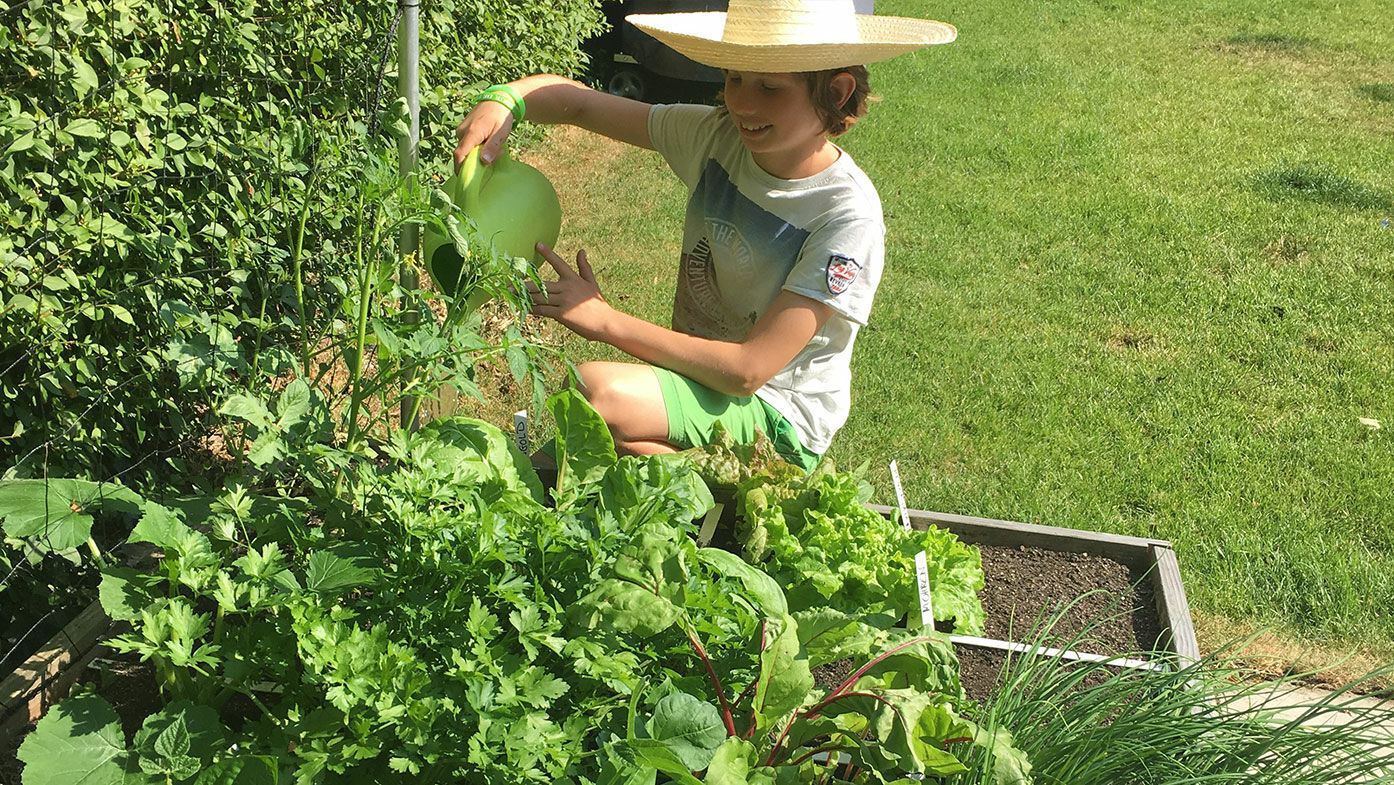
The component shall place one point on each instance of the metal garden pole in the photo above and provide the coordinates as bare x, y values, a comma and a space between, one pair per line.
409, 87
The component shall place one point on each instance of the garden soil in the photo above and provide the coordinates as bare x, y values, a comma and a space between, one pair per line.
1079, 591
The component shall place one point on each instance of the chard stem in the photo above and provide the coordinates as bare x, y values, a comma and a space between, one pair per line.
846, 685
716, 682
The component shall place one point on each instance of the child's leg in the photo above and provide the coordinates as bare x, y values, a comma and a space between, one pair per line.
628, 396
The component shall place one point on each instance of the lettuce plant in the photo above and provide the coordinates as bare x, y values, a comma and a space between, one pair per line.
815, 534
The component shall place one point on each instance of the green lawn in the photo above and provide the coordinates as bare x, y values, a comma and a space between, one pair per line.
1140, 278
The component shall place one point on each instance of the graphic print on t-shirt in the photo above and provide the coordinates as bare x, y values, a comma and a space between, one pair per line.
736, 268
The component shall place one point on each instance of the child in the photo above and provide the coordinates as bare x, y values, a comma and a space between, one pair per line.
783, 241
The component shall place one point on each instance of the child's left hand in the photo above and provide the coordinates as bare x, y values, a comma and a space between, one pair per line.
573, 299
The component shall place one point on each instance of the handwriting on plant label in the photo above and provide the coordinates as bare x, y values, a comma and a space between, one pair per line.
926, 601
520, 431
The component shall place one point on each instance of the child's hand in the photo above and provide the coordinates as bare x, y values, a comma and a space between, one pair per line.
573, 299
488, 124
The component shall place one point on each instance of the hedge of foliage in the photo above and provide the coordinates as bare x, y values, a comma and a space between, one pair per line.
155, 160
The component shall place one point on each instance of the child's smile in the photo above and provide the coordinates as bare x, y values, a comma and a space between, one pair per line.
777, 122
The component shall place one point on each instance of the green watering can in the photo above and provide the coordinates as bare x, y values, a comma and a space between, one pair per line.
514, 207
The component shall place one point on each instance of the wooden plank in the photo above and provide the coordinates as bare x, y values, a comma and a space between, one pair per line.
1064, 654
1173, 608
1131, 551
40, 680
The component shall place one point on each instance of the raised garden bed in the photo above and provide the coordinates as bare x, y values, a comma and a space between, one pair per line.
43, 680
1127, 590
1029, 570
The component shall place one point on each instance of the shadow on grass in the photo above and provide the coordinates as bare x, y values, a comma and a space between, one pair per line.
1378, 91
1315, 183
1272, 42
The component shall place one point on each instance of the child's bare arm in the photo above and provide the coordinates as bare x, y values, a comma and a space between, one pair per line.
554, 99
737, 369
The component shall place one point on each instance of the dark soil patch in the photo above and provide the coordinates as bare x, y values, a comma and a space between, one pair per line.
1097, 605
831, 675
1114, 603
980, 670
10, 767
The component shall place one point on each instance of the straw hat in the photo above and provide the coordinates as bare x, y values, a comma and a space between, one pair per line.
774, 36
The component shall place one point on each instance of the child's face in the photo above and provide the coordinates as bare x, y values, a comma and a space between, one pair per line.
775, 117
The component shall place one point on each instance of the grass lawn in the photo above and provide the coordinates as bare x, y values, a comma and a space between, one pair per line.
1140, 279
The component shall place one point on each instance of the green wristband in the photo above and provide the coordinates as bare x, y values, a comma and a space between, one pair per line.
506, 95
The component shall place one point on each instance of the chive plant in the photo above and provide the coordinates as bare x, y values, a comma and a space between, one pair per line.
1087, 723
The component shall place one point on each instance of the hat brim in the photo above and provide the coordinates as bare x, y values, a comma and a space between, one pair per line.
698, 34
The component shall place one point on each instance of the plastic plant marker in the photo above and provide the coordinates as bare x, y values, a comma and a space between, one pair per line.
520, 431
921, 561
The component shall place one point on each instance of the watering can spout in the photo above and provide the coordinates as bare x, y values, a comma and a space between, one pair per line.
513, 207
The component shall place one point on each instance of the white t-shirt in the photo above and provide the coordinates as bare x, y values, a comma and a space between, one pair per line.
748, 235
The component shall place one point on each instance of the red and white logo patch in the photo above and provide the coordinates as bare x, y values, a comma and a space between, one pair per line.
842, 271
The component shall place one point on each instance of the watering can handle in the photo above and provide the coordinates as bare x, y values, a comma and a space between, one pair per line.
471, 178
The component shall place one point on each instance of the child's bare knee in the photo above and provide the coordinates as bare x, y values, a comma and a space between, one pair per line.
603, 388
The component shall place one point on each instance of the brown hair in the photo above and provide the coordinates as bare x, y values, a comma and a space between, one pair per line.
838, 118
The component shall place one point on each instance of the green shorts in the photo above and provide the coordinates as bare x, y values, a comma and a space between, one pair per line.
693, 410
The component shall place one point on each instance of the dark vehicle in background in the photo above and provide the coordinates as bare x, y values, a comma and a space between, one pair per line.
634, 64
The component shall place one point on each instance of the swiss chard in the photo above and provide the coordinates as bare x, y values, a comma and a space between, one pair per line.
754, 713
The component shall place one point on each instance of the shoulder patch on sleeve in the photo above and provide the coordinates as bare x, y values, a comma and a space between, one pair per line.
842, 271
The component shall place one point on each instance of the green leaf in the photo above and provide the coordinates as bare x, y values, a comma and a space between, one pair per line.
648, 753
121, 595
180, 739
21, 143
908, 725
1010, 765
479, 453
240, 770
247, 407
341, 567
763, 589
84, 126
56, 513
294, 403
731, 764
79, 742
266, 448
829, 635
120, 313
160, 527
84, 78
629, 607
691, 728
785, 678
74, 14
585, 449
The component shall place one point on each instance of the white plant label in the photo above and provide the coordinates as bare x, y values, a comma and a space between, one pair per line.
921, 563
926, 602
900, 496
520, 431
